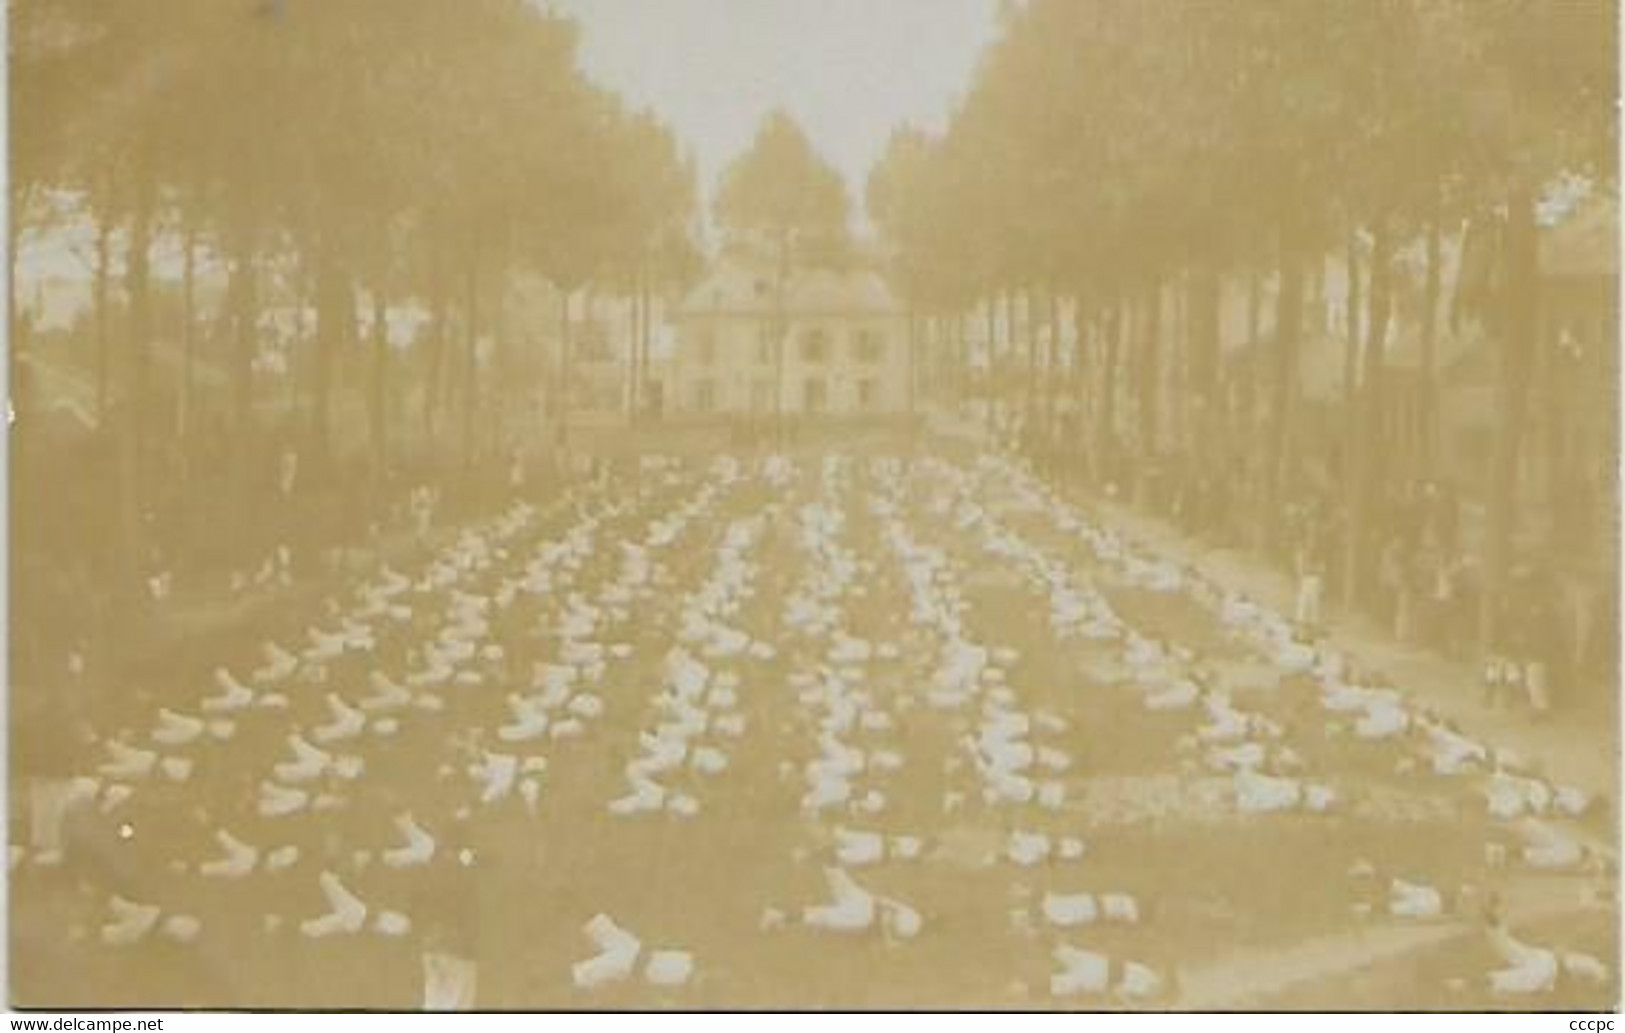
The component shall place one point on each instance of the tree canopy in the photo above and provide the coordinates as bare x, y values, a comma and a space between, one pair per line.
1125, 152
781, 187
331, 159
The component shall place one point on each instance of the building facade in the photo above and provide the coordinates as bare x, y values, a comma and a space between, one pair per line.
829, 343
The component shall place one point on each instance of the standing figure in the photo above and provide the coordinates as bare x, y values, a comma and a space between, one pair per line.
1311, 585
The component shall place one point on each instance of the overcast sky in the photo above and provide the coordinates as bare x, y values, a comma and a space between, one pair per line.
849, 70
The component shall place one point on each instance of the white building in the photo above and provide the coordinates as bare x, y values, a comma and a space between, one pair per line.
845, 340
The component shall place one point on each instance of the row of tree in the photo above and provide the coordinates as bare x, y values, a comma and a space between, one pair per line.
1112, 153
340, 158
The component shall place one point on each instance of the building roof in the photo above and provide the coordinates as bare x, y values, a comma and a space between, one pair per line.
733, 288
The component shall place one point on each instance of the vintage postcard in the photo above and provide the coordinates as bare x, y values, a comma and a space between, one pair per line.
1030, 505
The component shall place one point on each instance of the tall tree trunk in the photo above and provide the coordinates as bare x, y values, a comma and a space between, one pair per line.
184, 411
940, 358
781, 328
926, 362
14, 240
1255, 350
1030, 317
641, 311
1517, 332
558, 415
629, 354
1149, 367
334, 320
1174, 387
1427, 398
23, 397
1351, 356
1007, 352
1106, 413
913, 357
1255, 431
1052, 362
1284, 381
1549, 388
645, 339
1143, 365
634, 340
133, 441
569, 373
1202, 329
1347, 473
471, 303
244, 308
496, 399
243, 303
440, 334
104, 337
1085, 331
380, 383
1364, 514
961, 356
990, 316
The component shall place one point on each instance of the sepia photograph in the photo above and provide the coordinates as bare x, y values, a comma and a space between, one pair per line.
775, 505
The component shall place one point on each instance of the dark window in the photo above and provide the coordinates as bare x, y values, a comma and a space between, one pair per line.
592, 343
705, 351
813, 347
868, 347
1473, 445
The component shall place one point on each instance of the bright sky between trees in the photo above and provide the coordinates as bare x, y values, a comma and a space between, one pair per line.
849, 71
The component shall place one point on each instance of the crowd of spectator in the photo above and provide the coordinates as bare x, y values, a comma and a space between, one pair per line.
1548, 634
